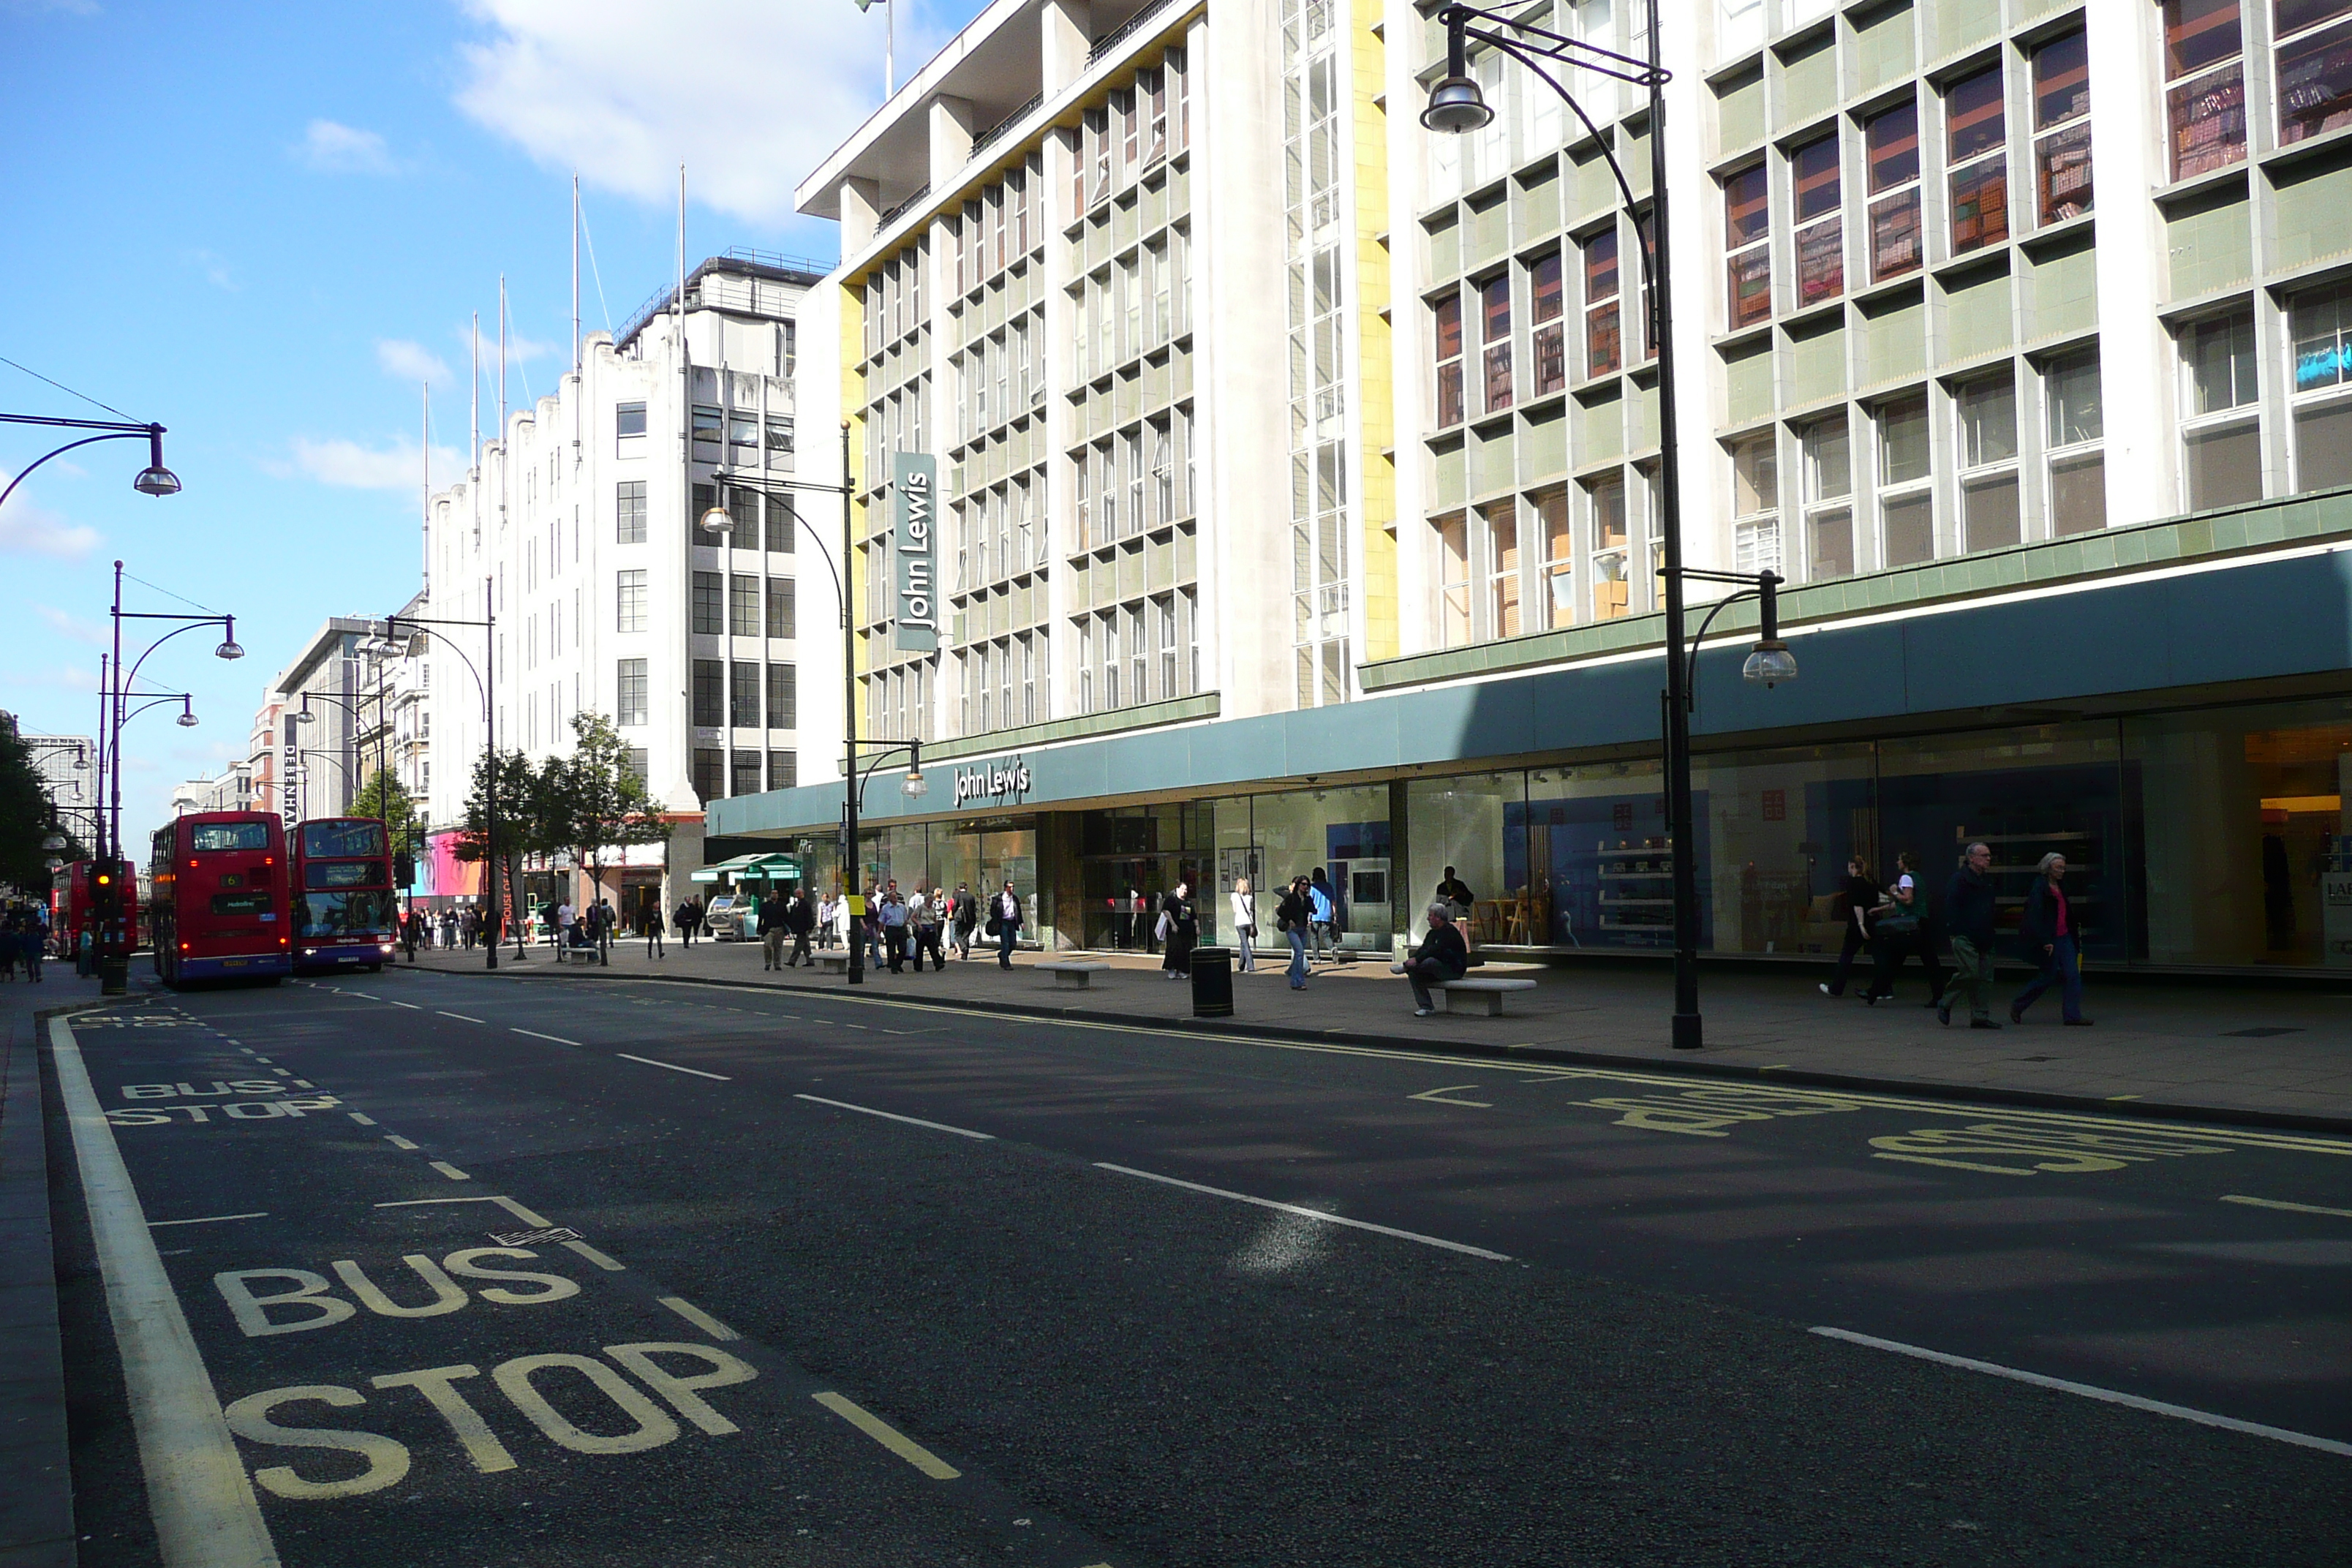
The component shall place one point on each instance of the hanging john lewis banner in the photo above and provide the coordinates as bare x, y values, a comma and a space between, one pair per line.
914, 553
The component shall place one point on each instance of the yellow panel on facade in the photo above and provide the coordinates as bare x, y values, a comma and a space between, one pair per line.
2315, 216
1977, 315
1748, 382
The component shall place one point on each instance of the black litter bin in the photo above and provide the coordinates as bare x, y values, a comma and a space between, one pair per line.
1212, 982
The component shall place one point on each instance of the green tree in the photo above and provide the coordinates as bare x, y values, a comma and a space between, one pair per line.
526, 811
600, 804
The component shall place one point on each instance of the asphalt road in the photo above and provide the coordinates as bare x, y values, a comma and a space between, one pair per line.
950, 1288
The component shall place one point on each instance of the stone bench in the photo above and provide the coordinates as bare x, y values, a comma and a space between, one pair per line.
1073, 975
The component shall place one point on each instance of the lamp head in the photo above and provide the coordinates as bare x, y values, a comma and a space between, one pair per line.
1770, 664
1457, 106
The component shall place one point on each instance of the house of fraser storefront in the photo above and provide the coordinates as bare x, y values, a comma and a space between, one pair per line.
2169, 707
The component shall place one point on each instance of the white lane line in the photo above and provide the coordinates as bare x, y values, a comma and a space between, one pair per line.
2106, 1395
535, 1035
397, 1141
201, 1503
459, 1016
449, 1170
889, 1436
2282, 1204
594, 1257
673, 1066
698, 1317
362, 1120
894, 1116
208, 1219
1310, 1214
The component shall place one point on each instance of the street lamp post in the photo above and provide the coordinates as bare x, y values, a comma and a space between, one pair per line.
716, 520
1457, 105
483, 679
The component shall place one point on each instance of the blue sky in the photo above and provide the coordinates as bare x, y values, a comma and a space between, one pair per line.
262, 225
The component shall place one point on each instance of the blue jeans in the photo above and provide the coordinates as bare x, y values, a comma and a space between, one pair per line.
1297, 957
2063, 969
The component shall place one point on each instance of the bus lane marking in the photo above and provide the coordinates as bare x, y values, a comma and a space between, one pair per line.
204, 1507
889, 1436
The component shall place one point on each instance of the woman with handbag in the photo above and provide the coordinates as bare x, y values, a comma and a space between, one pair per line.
1899, 931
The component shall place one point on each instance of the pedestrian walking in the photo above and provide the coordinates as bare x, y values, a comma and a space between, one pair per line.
1180, 929
1443, 955
1292, 915
965, 917
1899, 931
1004, 924
2053, 941
1857, 896
1323, 915
1245, 904
771, 933
1968, 915
653, 923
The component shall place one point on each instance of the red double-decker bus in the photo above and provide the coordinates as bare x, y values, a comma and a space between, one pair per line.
345, 914
217, 899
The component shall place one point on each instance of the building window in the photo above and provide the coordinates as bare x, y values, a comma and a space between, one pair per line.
1829, 497
747, 773
2206, 108
2078, 465
1906, 511
1892, 142
1820, 226
1747, 239
2320, 322
2221, 436
629, 429
2062, 128
783, 697
1603, 342
709, 693
782, 620
708, 616
1453, 532
629, 612
1756, 503
1495, 342
710, 762
1447, 318
630, 702
743, 709
629, 512
1611, 549
1986, 414
1502, 520
784, 770
1545, 302
1558, 601
2315, 69
1976, 152
743, 606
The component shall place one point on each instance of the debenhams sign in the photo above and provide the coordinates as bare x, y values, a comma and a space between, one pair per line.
914, 488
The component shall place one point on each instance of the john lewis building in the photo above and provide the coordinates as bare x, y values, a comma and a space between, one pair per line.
1299, 465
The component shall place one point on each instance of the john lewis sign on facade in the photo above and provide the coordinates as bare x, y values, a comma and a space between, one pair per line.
914, 549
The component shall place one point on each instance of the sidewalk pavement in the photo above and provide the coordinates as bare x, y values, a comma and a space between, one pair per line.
36, 1516
2268, 1057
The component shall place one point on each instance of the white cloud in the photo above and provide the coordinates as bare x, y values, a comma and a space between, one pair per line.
625, 94
410, 361
29, 529
72, 627
353, 467
334, 149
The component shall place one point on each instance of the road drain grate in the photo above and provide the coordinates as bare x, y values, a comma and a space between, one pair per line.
534, 1238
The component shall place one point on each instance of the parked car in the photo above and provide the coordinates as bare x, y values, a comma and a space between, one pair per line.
727, 916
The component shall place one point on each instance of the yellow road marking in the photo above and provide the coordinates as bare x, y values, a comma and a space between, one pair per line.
889, 1436
2278, 1204
698, 1317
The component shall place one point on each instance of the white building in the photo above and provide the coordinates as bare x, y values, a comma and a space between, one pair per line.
574, 531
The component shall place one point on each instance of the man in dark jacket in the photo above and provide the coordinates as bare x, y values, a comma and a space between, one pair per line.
1968, 916
1442, 955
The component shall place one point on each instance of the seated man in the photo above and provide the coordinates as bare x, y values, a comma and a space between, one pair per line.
1442, 955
